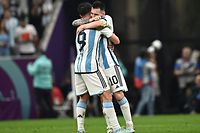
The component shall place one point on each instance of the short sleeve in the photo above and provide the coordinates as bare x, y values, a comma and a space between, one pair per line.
109, 22
106, 32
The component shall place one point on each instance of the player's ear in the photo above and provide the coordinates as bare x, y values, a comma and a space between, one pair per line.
103, 12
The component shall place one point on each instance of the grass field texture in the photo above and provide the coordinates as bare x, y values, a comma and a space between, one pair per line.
144, 124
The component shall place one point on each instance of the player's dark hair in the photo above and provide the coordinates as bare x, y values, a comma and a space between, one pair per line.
84, 8
99, 4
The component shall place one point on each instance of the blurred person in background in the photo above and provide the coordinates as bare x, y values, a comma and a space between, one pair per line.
5, 5
196, 96
41, 70
1, 9
47, 9
198, 66
4, 40
185, 69
35, 17
138, 68
26, 37
11, 24
193, 97
149, 83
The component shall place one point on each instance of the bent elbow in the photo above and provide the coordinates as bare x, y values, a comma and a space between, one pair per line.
117, 41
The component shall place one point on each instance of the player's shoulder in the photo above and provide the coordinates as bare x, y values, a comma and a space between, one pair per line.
108, 17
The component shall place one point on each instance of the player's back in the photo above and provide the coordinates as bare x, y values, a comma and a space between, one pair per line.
87, 51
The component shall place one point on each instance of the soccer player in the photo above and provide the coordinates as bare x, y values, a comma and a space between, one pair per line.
110, 65
89, 77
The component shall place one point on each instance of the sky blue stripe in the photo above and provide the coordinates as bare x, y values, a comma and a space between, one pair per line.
91, 40
107, 105
123, 101
80, 62
81, 104
103, 48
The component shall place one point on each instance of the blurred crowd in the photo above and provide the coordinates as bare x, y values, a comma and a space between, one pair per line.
186, 72
22, 24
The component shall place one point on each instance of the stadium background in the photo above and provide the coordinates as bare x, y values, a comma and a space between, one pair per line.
137, 23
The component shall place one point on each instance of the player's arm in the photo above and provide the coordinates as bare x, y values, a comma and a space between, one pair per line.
109, 34
177, 69
96, 24
114, 39
32, 68
79, 22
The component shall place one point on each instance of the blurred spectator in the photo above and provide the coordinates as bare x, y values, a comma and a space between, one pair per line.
41, 70
193, 97
196, 96
185, 70
5, 4
47, 9
22, 6
4, 41
66, 84
57, 96
196, 58
149, 84
26, 37
14, 6
1, 9
138, 68
93, 106
155, 75
11, 24
35, 17
198, 66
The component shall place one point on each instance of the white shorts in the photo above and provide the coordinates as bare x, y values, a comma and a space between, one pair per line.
116, 79
93, 83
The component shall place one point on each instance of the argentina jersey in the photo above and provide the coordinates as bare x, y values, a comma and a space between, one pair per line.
87, 45
107, 57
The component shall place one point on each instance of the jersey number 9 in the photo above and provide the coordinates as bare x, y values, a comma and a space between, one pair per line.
81, 39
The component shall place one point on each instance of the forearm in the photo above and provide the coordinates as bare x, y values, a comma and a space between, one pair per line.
79, 22
95, 24
114, 39
178, 72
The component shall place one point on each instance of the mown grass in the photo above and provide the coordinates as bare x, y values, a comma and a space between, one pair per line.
143, 124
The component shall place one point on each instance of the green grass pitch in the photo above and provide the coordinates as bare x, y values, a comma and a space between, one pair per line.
144, 124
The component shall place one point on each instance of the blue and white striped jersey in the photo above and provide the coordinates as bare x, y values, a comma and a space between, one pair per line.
107, 58
87, 45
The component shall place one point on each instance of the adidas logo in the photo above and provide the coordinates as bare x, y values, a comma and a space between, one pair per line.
80, 116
